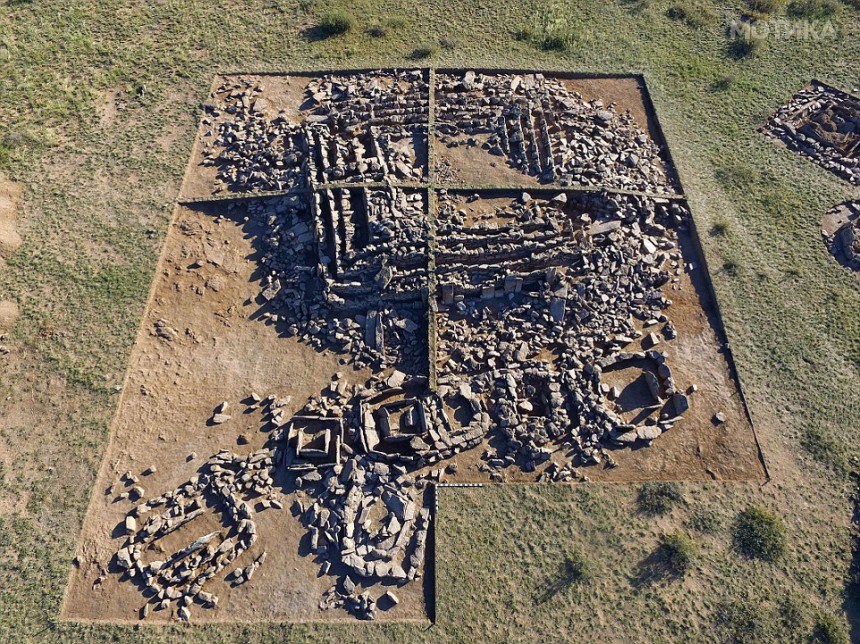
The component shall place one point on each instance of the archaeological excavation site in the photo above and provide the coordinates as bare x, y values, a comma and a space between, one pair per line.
378, 282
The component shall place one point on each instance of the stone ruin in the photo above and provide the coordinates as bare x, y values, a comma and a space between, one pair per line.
547, 131
823, 123
844, 242
494, 331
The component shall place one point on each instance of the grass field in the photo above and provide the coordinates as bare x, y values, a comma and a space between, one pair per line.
98, 107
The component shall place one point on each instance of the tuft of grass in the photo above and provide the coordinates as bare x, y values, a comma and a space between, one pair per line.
760, 534
723, 84
659, 498
829, 629
553, 38
742, 621
704, 521
812, 9
336, 23
377, 31
720, 229
423, 51
765, 6
694, 14
573, 571
823, 448
679, 551
448, 44
745, 40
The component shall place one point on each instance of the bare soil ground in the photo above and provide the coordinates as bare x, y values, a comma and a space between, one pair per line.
211, 349
10, 240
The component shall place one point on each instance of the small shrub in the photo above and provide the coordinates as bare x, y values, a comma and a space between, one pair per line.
523, 35
719, 229
746, 41
759, 534
828, 629
824, 449
422, 52
545, 38
694, 14
336, 23
812, 9
553, 42
722, 84
704, 521
658, 498
448, 44
679, 551
791, 614
765, 6
575, 567
572, 571
377, 31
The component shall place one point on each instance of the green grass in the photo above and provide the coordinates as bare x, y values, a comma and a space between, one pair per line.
695, 14
93, 191
765, 6
812, 9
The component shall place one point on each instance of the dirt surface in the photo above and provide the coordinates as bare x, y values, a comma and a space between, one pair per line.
10, 193
8, 315
212, 349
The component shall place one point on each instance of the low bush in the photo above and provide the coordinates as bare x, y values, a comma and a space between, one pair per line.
658, 498
828, 629
760, 534
679, 551
765, 6
704, 521
422, 52
694, 14
746, 41
812, 9
336, 23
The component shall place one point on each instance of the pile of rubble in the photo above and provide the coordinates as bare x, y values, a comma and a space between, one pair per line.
579, 281
547, 131
346, 270
226, 480
844, 243
823, 123
357, 128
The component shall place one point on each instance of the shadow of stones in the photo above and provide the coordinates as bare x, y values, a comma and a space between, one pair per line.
250, 214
